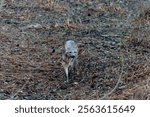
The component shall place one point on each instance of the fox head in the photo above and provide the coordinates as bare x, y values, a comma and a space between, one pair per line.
71, 49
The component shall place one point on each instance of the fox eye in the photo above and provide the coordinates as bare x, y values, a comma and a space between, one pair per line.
70, 52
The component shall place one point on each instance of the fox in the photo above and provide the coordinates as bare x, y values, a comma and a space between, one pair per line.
69, 57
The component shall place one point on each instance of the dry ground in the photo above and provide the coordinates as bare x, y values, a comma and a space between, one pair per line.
113, 39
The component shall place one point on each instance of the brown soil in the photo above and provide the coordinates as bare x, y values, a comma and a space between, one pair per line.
113, 39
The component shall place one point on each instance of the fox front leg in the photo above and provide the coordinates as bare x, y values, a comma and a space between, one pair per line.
67, 74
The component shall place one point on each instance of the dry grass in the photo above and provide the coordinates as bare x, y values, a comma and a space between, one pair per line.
113, 39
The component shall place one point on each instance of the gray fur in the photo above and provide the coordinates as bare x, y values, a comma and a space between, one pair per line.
69, 57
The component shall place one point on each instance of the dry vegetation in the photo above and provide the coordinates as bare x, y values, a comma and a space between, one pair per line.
114, 44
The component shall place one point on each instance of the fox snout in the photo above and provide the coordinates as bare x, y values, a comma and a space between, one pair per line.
72, 53
72, 56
